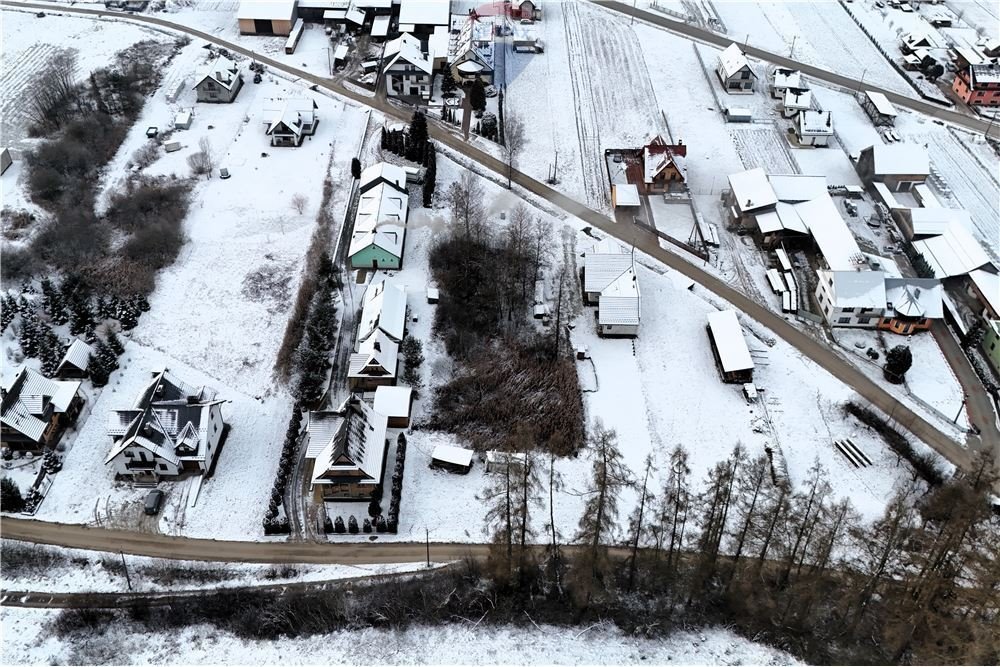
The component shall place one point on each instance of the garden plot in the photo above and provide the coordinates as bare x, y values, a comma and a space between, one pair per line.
28, 44
964, 182
817, 33
931, 388
981, 14
764, 147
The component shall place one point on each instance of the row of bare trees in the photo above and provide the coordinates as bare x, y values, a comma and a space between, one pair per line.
748, 547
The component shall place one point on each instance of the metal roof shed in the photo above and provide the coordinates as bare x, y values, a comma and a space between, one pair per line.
731, 351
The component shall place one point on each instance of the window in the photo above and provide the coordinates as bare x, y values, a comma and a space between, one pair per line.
847, 310
864, 320
844, 320
162, 467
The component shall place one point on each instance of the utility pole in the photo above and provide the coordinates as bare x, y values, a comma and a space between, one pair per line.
427, 537
965, 398
861, 81
791, 52
125, 565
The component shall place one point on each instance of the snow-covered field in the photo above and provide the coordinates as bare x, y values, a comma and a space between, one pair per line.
34, 643
818, 33
28, 43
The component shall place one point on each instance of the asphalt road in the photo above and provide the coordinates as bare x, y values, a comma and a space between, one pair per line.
959, 116
645, 241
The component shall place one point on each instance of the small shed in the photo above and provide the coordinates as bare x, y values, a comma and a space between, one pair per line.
340, 55
878, 108
76, 360
739, 115
624, 195
496, 461
172, 146
433, 295
5, 160
729, 347
452, 459
182, 121
395, 403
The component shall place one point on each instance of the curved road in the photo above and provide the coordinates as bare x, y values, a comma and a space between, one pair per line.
633, 235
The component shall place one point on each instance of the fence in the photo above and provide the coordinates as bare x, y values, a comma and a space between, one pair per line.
701, 254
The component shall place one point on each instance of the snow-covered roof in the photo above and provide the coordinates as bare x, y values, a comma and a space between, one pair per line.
971, 55
424, 12
377, 356
355, 442
384, 310
382, 203
793, 188
983, 74
953, 253
881, 103
831, 233
620, 302
815, 123
604, 265
728, 336
459, 456
784, 216
267, 10
654, 162
796, 98
393, 401
390, 173
292, 113
915, 297
380, 26
77, 355
387, 236
902, 158
220, 69
732, 60
26, 398
473, 44
988, 284
626, 194
787, 78
168, 418
437, 42
935, 221
405, 48
856, 289
751, 190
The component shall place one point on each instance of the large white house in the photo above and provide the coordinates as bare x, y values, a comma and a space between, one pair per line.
407, 70
380, 219
734, 71
170, 429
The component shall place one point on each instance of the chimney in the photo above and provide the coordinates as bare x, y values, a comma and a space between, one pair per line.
829, 119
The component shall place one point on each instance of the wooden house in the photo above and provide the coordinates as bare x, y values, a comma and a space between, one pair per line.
348, 450
75, 362
289, 122
219, 80
35, 411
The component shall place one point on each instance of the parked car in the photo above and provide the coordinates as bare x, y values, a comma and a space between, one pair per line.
153, 501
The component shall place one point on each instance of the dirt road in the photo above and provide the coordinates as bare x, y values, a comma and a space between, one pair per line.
645, 241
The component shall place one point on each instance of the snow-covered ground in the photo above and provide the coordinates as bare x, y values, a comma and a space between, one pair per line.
29, 42
817, 33
34, 643
81, 571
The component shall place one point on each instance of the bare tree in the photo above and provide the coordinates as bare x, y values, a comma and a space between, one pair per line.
467, 209
56, 94
609, 477
299, 203
636, 525
201, 163
513, 144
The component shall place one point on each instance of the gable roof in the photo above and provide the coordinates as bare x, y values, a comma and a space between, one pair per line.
221, 69
751, 190
953, 253
383, 172
732, 60
405, 48
28, 396
384, 310
881, 103
815, 123
835, 240
376, 356
387, 237
381, 203
77, 355
290, 113
734, 355
605, 264
468, 47
620, 301
351, 440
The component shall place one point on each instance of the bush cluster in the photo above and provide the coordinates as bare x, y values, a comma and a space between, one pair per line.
273, 523
924, 464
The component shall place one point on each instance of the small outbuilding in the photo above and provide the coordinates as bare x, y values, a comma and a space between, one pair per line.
182, 121
5, 160
729, 347
266, 17
497, 461
76, 360
879, 109
624, 195
814, 128
452, 459
396, 403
